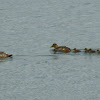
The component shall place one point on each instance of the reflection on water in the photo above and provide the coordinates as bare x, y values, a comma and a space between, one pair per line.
2, 59
6, 59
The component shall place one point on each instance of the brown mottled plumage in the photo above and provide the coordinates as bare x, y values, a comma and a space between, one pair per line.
60, 48
4, 55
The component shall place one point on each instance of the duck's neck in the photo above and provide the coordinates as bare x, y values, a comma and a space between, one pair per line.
56, 46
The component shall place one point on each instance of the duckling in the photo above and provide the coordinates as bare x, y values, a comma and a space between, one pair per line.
86, 50
60, 48
92, 51
98, 51
76, 50
4, 55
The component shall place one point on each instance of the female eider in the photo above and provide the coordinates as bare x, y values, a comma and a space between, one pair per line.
60, 48
4, 55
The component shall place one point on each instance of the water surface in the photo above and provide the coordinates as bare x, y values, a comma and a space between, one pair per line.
27, 30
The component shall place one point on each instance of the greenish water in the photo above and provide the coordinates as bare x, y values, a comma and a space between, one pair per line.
27, 30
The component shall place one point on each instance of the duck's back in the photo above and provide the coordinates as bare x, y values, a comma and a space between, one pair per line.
3, 55
62, 48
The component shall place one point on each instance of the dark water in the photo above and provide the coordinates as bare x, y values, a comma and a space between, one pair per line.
27, 30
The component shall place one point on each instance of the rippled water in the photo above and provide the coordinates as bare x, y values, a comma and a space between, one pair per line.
27, 30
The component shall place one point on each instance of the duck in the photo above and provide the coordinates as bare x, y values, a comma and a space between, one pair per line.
60, 48
76, 50
92, 51
4, 55
98, 51
86, 50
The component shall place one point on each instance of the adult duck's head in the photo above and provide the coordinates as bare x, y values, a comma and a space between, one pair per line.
54, 45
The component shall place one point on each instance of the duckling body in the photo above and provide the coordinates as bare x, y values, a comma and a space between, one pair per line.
60, 48
98, 51
76, 50
86, 50
92, 51
4, 55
